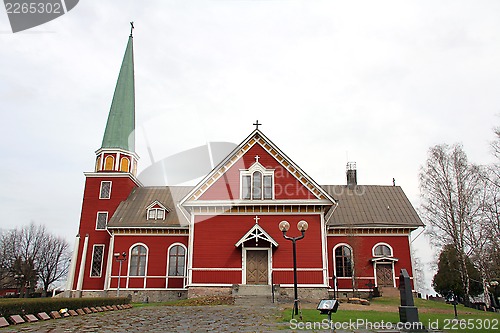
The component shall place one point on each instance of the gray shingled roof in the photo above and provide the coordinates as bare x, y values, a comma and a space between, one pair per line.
361, 206
132, 212
372, 206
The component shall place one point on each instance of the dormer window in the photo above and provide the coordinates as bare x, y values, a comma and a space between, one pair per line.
257, 183
156, 211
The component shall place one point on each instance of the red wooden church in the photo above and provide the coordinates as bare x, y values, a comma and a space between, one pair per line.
171, 241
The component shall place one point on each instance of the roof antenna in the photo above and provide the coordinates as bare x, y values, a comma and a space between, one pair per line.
131, 28
393, 181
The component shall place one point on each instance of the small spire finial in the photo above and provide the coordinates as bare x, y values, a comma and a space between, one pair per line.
256, 124
131, 28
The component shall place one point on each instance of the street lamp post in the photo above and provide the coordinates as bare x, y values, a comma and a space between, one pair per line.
284, 226
120, 257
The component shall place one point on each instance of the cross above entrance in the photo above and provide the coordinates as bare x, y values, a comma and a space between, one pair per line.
257, 158
256, 218
256, 124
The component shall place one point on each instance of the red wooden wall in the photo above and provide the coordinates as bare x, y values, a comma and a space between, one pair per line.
157, 256
120, 189
215, 239
286, 186
362, 251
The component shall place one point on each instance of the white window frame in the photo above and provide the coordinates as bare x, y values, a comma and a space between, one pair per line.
249, 172
335, 261
100, 189
102, 260
155, 210
185, 261
97, 221
130, 262
382, 243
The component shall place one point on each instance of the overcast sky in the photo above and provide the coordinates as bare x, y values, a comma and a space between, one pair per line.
375, 82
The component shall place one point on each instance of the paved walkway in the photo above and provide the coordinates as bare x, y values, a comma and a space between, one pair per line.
185, 319
152, 319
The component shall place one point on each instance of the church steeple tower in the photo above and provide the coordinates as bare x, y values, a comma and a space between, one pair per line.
117, 152
107, 186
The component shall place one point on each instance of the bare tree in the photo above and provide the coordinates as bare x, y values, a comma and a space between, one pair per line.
496, 143
30, 254
418, 272
53, 264
450, 190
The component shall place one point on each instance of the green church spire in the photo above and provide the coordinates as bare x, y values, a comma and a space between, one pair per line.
120, 127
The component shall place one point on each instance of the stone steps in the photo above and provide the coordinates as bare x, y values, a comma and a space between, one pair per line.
248, 300
390, 292
253, 295
252, 290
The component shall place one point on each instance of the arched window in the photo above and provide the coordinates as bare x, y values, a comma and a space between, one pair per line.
257, 185
176, 260
343, 261
98, 163
109, 163
138, 261
382, 250
124, 164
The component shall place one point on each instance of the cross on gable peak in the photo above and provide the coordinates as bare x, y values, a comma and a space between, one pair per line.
256, 124
257, 158
256, 218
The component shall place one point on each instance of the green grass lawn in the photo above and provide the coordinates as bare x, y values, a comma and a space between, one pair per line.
432, 314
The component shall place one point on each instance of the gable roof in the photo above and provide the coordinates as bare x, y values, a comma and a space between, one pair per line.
257, 137
159, 204
132, 213
365, 206
256, 232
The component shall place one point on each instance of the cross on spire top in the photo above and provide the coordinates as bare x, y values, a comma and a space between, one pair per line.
131, 28
256, 124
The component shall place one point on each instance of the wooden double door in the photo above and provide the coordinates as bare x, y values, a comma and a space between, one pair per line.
385, 275
257, 267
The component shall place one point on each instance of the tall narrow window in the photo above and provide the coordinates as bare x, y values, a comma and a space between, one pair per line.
109, 163
176, 261
257, 186
102, 220
268, 187
98, 254
343, 261
98, 163
246, 186
105, 192
138, 261
124, 164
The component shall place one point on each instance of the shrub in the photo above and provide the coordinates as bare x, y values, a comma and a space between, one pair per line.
23, 306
